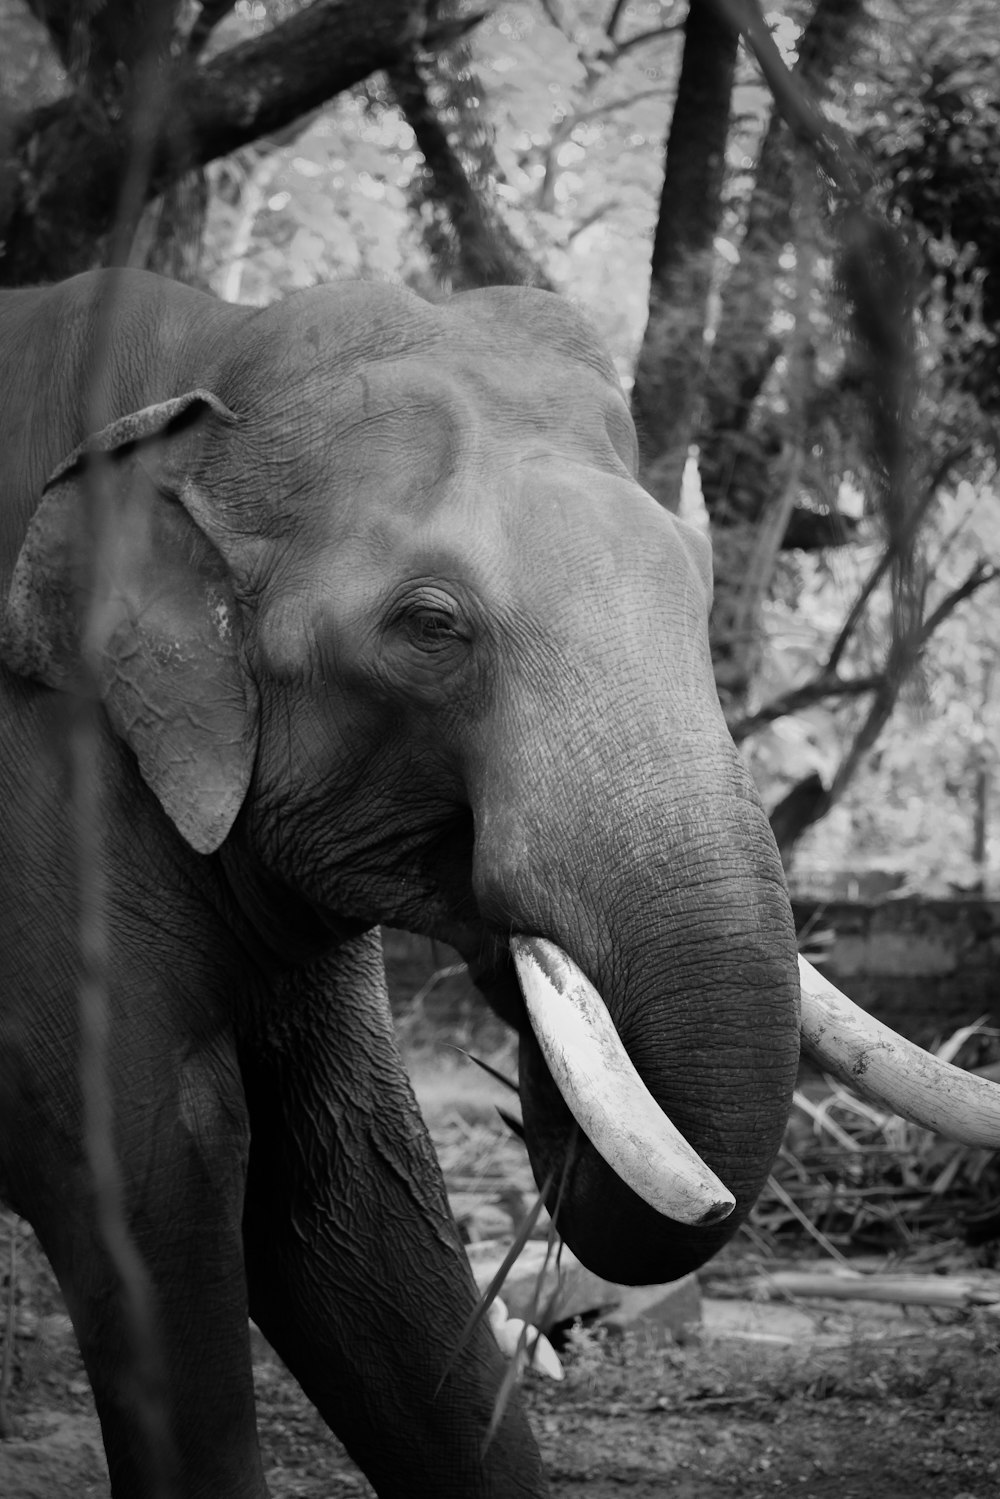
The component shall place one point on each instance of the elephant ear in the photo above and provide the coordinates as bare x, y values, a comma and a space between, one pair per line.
116, 589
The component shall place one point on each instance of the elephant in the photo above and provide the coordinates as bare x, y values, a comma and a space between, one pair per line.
371, 622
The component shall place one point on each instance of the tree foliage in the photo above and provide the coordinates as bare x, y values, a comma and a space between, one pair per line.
932, 122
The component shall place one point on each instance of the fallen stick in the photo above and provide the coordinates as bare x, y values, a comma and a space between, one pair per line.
906, 1290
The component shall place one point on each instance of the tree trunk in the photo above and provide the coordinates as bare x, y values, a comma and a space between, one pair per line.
744, 349
670, 368
743, 463
170, 234
746, 550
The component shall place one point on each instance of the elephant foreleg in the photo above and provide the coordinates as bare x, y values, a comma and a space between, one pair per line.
355, 1270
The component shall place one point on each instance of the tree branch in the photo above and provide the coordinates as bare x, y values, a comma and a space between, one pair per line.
79, 155
594, 217
625, 102
557, 18
263, 84
885, 699
827, 684
816, 690
488, 254
611, 25
211, 13
807, 802
884, 562
839, 158
648, 36
984, 572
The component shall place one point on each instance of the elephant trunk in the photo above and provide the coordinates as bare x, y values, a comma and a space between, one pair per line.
697, 967
605, 1094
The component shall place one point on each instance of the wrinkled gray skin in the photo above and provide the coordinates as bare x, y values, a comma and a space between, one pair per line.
392, 634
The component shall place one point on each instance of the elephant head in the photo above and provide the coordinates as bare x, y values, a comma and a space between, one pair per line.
396, 636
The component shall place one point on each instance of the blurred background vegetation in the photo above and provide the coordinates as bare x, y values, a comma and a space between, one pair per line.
787, 229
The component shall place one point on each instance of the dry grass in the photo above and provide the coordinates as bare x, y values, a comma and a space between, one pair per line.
857, 1179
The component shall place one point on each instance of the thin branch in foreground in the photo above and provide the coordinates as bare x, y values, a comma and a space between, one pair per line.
553, 1246
488, 1297
148, 1364
7, 1428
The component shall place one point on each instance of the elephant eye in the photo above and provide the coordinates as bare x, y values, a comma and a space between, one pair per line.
431, 627
432, 621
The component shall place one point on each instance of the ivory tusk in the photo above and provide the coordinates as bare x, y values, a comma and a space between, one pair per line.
894, 1073
604, 1092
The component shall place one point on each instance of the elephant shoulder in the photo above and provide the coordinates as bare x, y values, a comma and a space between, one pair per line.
161, 330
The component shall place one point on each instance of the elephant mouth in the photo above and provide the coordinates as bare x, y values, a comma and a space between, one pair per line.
627, 1127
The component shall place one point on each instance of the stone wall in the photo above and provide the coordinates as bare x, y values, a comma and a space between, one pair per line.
925, 967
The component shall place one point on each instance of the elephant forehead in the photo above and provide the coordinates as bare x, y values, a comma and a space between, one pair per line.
450, 415
357, 323
341, 372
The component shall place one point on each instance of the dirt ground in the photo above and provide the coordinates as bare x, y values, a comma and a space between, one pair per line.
915, 1417
862, 1404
